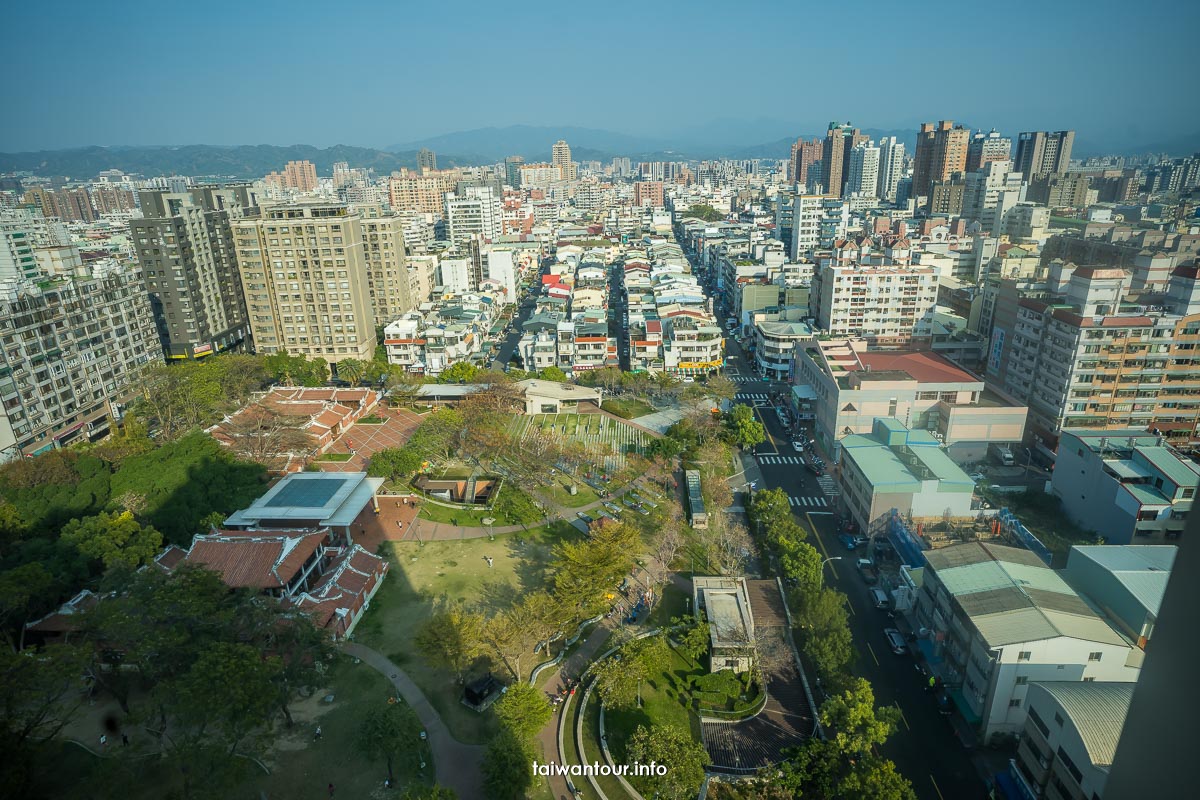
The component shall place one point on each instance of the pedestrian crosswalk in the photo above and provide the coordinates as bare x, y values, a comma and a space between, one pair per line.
828, 485
759, 398
778, 459
808, 502
744, 379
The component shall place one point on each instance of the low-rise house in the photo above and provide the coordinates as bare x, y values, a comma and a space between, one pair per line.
894, 467
725, 602
995, 619
1125, 485
310, 501
1126, 582
1070, 738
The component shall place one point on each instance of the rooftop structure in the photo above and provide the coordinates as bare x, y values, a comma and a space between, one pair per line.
310, 500
726, 603
1126, 581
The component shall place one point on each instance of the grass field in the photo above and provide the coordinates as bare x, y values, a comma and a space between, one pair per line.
606, 441
628, 407
340, 457
516, 509
423, 577
662, 704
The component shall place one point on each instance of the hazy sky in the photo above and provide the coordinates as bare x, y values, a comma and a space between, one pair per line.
374, 74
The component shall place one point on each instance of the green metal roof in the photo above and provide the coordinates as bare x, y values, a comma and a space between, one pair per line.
1181, 473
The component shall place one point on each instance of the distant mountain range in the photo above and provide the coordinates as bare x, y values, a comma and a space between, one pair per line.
466, 148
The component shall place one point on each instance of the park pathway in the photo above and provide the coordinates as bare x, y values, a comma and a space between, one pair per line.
573, 666
458, 766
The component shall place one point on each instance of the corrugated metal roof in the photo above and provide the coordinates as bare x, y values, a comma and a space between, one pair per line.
1097, 711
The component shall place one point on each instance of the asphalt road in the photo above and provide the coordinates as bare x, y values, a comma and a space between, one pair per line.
925, 748
525, 308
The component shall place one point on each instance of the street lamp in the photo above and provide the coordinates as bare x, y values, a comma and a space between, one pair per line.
826, 561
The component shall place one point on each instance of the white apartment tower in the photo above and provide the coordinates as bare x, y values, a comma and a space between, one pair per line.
863, 175
891, 166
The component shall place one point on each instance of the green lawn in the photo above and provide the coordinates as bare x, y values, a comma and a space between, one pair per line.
663, 703
611, 787
514, 509
557, 493
422, 577
627, 407
340, 457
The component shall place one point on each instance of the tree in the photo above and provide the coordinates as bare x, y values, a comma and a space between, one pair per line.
619, 678
667, 545
552, 373
297, 370
744, 430
388, 730
395, 463
695, 637
228, 692
720, 388
113, 539
524, 710
458, 372
801, 562
703, 211
674, 748
25, 592
507, 767
825, 631
875, 778
450, 639
857, 724
729, 545
510, 639
585, 571
351, 370
262, 434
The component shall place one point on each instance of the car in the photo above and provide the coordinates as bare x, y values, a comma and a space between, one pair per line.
860, 541
895, 641
798, 447
978, 477
847, 541
815, 469
866, 568
689, 379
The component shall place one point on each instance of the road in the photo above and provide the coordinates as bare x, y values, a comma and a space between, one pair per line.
925, 748
526, 303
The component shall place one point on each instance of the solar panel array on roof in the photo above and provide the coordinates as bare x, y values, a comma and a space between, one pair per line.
312, 493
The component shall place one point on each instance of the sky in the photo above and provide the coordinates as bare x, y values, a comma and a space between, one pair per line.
127, 72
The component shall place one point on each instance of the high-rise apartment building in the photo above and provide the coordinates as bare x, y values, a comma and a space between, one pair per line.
891, 167
424, 194
512, 171
862, 174
304, 272
987, 147
184, 245
1060, 190
1083, 358
941, 152
840, 139
69, 205
648, 193
1039, 152
946, 197
388, 282
560, 156
479, 213
300, 175
426, 160
17, 259
990, 193
73, 348
804, 155
883, 304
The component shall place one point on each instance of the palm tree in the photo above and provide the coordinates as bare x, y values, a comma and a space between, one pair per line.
351, 370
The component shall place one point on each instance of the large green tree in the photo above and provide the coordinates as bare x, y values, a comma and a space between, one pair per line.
674, 748
524, 710
744, 429
113, 539
450, 639
824, 629
507, 767
388, 731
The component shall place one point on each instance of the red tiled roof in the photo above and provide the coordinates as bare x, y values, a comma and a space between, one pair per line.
256, 559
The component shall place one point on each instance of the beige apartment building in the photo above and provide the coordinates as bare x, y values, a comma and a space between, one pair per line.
388, 282
305, 277
880, 303
425, 193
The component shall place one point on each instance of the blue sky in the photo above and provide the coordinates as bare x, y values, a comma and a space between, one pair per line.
250, 72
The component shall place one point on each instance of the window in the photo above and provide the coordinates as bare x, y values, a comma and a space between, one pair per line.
1070, 765
1024, 655
1058, 720
1037, 720
1014, 703
1095, 656
1189, 492
1022, 680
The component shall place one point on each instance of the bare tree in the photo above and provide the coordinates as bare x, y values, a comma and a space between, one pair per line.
666, 547
260, 433
729, 545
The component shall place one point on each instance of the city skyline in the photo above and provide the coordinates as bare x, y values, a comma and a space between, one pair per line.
220, 72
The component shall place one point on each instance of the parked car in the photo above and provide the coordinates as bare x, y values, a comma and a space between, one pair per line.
866, 568
798, 447
879, 598
895, 641
815, 469
978, 477
848, 541
860, 541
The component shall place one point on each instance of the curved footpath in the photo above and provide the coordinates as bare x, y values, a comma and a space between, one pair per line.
457, 765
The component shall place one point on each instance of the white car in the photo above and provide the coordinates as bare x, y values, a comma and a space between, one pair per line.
799, 448
978, 477
689, 380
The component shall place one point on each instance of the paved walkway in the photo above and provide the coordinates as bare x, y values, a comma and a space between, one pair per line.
458, 766
573, 666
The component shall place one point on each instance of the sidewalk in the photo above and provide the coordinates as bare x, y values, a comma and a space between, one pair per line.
457, 765
572, 666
